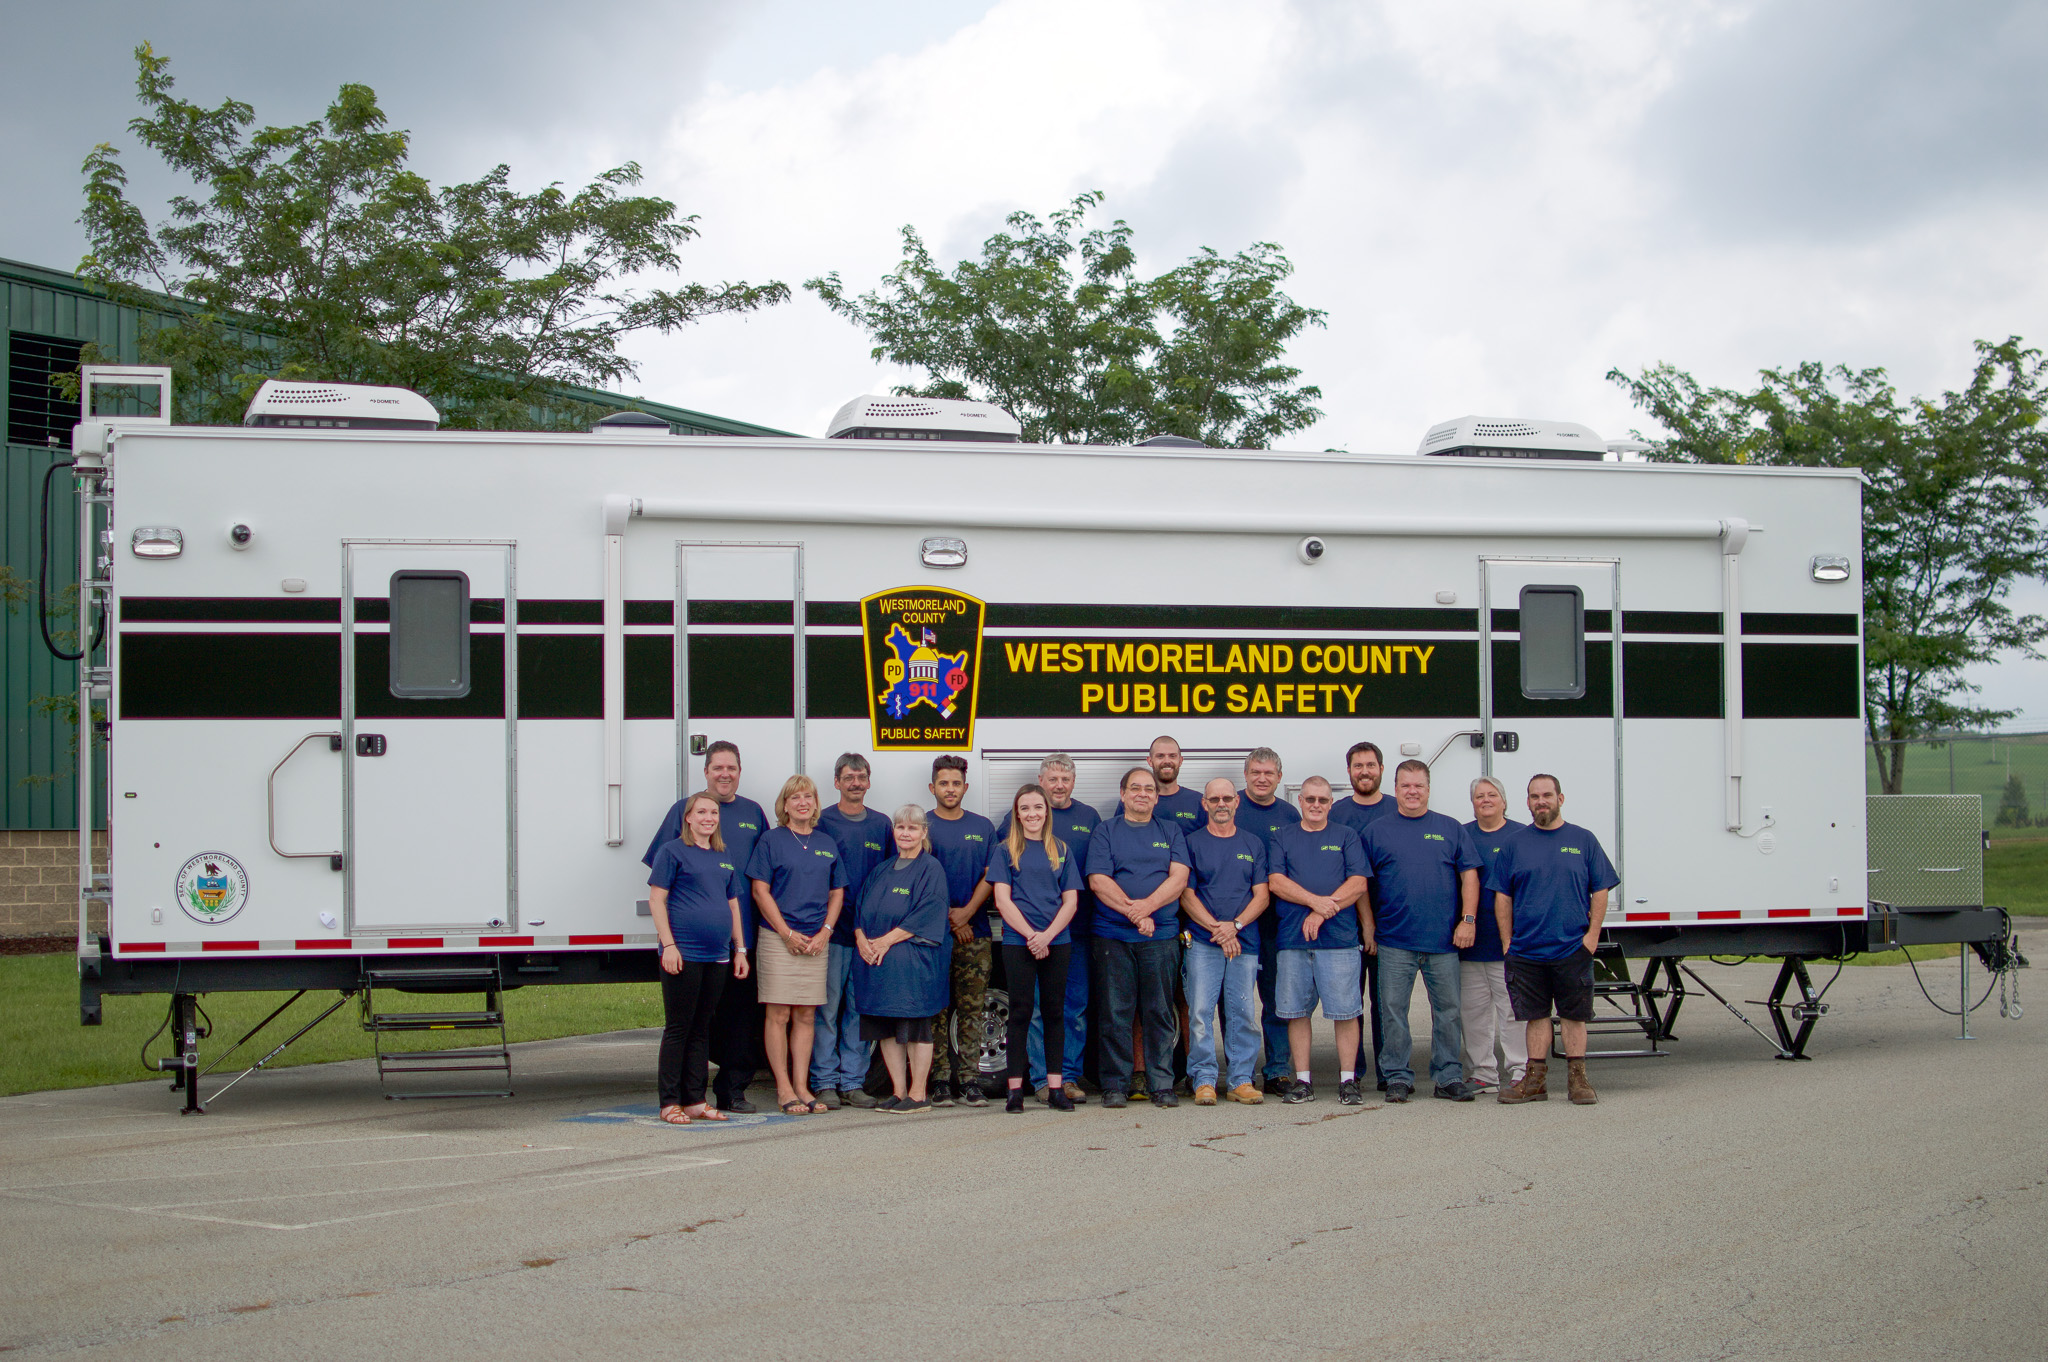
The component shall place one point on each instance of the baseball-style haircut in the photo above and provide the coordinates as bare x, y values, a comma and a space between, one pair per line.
949, 762
720, 746
1358, 747
1163, 737
912, 816
1487, 780
1412, 764
793, 786
1263, 754
1317, 780
849, 761
1055, 761
1135, 771
1545, 775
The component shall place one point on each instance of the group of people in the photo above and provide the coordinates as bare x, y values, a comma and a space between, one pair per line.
1232, 910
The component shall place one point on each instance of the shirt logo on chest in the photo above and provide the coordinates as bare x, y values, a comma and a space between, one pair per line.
1432, 837
1570, 851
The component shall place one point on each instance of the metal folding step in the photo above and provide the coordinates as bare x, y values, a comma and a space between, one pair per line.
470, 1059
1623, 1006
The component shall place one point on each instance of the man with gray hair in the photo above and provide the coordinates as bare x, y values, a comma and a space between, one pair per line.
1483, 1003
1261, 809
1073, 823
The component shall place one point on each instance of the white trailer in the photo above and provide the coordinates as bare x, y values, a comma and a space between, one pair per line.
381, 698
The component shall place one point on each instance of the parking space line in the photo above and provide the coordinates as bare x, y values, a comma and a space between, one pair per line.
322, 1168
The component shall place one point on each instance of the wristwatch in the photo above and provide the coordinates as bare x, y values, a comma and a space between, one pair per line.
1239, 926
1468, 918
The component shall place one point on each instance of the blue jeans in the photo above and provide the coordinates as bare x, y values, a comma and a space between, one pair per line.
1208, 977
1076, 1020
1273, 1027
1136, 982
839, 1057
1439, 971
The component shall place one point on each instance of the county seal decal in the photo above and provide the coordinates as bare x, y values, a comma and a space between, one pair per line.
212, 887
923, 649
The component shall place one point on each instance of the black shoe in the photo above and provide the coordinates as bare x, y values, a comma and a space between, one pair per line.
1349, 1093
1279, 1087
1460, 1091
1383, 1085
942, 1094
911, 1106
1300, 1092
738, 1106
891, 1105
1399, 1092
1184, 1086
1165, 1099
971, 1093
1014, 1103
1112, 1099
1058, 1100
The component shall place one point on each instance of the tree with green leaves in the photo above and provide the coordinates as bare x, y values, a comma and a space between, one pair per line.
314, 252
2012, 805
1054, 324
1953, 494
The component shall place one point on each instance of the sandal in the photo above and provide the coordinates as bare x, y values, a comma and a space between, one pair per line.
675, 1115
795, 1108
818, 1108
708, 1113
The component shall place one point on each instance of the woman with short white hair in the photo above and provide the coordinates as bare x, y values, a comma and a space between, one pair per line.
903, 973
1483, 1003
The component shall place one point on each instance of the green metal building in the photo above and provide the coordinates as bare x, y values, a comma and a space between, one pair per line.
48, 317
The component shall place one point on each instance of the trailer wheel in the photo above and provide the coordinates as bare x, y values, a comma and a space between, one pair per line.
995, 1036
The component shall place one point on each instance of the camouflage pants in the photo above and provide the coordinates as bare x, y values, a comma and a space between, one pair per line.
956, 1062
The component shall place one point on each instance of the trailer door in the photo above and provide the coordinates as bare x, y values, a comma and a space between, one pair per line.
1550, 677
430, 672
740, 668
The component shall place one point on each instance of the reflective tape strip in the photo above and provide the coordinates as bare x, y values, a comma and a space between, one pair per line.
498, 941
137, 947
599, 939
231, 945
323, 945
1790, 912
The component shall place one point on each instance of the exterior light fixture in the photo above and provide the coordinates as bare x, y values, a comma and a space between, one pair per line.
943, 553
1830, 567
157, 541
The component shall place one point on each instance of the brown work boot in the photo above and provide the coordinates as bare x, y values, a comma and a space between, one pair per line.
1532, 1086
1247, 1094
1205, 1096
1581, 1086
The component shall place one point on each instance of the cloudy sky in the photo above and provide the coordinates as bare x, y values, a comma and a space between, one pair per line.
1496, 203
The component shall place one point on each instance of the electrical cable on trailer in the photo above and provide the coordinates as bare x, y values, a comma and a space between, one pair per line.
2003, 958
99, 632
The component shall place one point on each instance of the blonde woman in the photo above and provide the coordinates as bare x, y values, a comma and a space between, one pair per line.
1037, 886
904, 969
799, 886
694, 894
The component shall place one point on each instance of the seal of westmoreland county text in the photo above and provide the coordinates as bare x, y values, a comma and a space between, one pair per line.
212, 887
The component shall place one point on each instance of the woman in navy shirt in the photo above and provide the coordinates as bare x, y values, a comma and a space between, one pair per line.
694, 896
799, 882
904, 972
1037, 885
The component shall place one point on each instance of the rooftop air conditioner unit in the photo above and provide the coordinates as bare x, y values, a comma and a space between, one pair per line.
922, 418
1492, 437
339, 406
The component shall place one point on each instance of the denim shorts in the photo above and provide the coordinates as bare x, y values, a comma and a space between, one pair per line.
1330, 977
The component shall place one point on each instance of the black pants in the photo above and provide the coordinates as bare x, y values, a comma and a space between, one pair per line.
688, 1002
736, 1027
1135, 981
1042, 983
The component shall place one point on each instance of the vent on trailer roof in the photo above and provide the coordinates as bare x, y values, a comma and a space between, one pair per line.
1487, 437
339, 406
920, 418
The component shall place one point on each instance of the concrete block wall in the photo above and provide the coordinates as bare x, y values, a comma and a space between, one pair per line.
39, 882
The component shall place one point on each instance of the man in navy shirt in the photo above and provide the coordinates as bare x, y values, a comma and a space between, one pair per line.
737, 1024
839, 1058
1261, 809
1225, 896
1074, 824
960, 842
1318, 875
1178, 805
1550, 888
1363, 766
1483, 1006
1426, 907
1137, 866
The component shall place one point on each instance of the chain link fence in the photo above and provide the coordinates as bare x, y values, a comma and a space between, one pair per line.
2008, 770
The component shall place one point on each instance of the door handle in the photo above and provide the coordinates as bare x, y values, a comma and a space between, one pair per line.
333, 857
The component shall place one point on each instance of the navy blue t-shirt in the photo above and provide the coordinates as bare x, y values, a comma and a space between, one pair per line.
801, 872
1416, 864
1035, 887
1223, 871
1358, 817
740, 824
1486, 944
962, 846
1182, 810
1264, 819
863, 845
1319, 862
1552, 876
700, 884
1073, 826
1138, 856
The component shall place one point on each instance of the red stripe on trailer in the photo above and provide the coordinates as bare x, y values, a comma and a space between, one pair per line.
504, 941
131, 947
1790, 912
1713, 913
1848, 912
323, 945
409, 943
615, 939
1648, 917
230, 945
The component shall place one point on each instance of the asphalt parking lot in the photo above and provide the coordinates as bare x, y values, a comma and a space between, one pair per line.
1885, 1200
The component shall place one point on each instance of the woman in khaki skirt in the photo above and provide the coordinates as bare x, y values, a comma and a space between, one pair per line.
798, 884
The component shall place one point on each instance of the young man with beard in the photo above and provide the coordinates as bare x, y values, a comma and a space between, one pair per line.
1364, 766
960, 843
